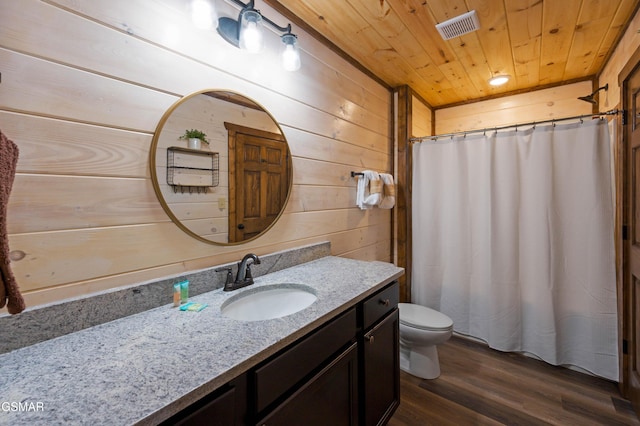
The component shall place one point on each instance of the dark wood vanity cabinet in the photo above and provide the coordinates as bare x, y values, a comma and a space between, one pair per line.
380, 357
380, 372
225, 406
346, 372
313, 380
328, 398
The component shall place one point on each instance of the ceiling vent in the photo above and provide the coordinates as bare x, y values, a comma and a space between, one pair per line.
460, 25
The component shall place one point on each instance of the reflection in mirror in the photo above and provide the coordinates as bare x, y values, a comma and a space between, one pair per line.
248, 150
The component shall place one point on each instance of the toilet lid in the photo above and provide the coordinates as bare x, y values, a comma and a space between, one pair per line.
424, 318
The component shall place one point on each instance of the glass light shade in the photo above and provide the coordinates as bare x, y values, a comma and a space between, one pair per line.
498, 80
203, 14
290, 53
251, 31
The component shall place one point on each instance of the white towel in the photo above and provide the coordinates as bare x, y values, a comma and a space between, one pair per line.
369, 190
388, 192
375, 189
362, 191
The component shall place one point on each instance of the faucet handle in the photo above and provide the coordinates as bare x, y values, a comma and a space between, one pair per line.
229, 274
247, 275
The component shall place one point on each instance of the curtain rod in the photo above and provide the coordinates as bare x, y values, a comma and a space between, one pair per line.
532, 123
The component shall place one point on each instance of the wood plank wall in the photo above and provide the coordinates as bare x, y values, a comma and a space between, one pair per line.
545, 104
422, 123
625, 48
84, 84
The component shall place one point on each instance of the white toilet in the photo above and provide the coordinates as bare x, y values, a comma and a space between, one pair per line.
421, 329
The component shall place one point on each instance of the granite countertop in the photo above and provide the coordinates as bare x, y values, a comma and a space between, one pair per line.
143, 368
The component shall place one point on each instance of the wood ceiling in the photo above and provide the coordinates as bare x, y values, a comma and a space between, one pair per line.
539, 43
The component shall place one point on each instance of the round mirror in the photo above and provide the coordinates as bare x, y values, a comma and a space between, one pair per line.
221, 167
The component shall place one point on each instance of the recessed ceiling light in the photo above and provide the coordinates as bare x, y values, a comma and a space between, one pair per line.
498, 80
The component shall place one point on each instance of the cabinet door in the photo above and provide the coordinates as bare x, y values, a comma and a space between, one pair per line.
216, 410
381, 371
329, 398
278, 376
226, 406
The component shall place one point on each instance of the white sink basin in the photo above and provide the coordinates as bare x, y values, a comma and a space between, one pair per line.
268, 302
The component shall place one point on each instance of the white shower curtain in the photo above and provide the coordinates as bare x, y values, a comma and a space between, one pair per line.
513, 239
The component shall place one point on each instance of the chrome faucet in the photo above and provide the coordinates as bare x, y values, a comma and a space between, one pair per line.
243, 277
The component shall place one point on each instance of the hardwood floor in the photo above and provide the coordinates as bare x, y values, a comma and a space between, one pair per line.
480, 386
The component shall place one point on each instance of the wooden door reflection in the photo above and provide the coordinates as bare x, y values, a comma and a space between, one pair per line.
258, 180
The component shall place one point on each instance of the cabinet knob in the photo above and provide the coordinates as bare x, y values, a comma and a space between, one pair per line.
384, 302
369, 338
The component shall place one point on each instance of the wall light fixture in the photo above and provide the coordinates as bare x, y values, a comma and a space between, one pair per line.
247, 33
289, 51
